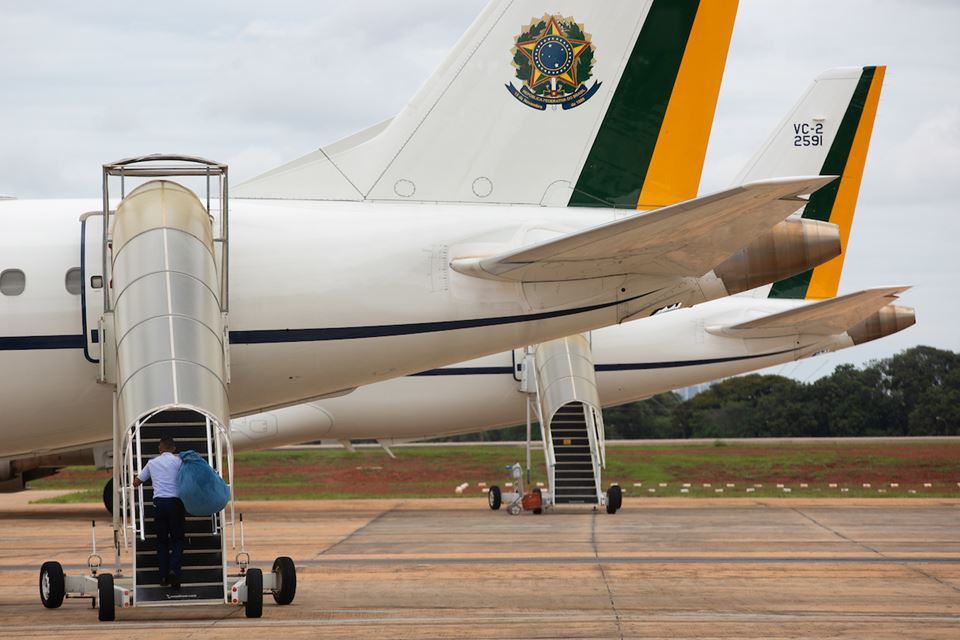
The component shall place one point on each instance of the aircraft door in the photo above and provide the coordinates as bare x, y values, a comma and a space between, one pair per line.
91, 274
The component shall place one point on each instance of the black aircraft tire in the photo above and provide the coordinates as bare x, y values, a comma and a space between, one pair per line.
494, 498
614, 499
108, 495
253, 608
56, 590
287, 577
106, 611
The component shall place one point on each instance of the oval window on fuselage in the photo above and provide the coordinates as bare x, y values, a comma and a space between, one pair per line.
12, 282
72, 281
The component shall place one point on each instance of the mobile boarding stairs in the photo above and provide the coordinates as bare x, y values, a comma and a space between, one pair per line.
559, 380
161, 341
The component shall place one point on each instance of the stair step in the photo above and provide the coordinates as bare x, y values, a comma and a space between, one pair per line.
177, 433
151, 593
189, 575
151, 446
191, 557
147, 457
192, 542
560, 500
571, 406
176, 415
190, 526
148, 510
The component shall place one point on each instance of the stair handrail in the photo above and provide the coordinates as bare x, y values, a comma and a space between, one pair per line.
140, 510
594, 447
221, 441
549, 455
126, 497
601, 435
127, 488
161, 165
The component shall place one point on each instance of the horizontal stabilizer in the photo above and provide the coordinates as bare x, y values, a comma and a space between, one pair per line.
685, 239
827, 317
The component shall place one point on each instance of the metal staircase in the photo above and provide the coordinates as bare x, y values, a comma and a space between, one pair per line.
203, 564
560, 382
162, 341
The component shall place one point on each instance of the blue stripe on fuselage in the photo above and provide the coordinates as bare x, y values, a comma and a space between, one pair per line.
268, 336
625, 366
273, 336
30, 343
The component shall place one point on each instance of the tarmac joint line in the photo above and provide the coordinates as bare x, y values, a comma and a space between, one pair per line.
905, 564
603, 573
359, 529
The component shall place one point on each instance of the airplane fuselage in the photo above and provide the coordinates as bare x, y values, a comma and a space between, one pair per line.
634, 360
324, 297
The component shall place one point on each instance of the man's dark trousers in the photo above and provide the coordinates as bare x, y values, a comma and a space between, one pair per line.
168, 517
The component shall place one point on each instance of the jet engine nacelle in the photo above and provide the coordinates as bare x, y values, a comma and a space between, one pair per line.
792, 247
886, 321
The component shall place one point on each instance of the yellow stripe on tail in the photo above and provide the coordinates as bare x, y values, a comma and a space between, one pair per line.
677, 162
826, 278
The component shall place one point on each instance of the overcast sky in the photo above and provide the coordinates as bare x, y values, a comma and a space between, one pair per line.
257, 83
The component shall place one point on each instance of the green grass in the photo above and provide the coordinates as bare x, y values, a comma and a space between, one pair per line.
77, 497
422, 472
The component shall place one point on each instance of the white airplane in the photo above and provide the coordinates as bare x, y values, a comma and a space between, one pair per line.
633, 360
423, 241
792, 319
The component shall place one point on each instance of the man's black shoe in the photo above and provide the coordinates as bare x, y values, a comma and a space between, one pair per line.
174, 580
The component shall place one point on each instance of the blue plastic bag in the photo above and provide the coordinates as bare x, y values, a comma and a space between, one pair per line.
201, 490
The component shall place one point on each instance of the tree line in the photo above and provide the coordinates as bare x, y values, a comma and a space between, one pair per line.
913, 393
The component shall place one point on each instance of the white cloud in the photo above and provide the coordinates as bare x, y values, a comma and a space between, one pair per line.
928, 162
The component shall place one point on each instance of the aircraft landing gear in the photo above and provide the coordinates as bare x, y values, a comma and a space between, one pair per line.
614, 498
108, 496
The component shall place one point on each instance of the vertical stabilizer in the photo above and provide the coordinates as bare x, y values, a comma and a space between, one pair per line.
604, 104
846, 139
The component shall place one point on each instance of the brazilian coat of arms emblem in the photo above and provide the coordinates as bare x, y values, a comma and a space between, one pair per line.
554, 60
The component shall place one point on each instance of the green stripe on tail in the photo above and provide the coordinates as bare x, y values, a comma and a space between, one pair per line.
821, 203
615, 170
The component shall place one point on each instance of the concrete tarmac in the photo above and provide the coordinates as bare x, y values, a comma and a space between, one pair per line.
661, 568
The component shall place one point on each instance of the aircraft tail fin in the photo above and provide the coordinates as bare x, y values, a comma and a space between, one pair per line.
601, 104
827, 133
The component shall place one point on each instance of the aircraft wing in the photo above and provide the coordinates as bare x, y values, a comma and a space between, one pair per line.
685, 239
826, 317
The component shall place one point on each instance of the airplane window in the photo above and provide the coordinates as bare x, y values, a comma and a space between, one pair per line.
73, 282
12, 282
